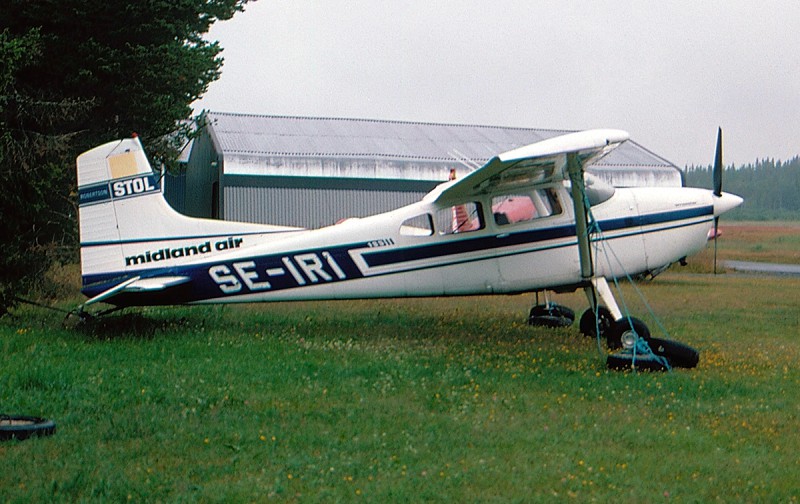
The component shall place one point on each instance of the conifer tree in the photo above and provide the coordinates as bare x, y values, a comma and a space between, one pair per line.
79, 73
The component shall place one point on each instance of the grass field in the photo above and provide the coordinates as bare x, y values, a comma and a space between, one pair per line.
777, 242
448, 400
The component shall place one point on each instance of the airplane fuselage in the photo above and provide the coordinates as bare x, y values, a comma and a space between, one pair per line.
406, 253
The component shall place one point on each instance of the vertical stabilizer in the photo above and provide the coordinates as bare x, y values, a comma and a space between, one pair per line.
126, 225
109, 175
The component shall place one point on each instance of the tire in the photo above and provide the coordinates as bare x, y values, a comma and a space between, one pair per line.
22, 427
620, 327
553, 310
587, 322
624, 361
678, 354
549, 321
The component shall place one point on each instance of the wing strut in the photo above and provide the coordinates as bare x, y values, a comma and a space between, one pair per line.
575, 169
594, 286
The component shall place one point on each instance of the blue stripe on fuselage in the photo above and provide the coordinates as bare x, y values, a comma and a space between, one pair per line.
287, 270
245, 275
395, 256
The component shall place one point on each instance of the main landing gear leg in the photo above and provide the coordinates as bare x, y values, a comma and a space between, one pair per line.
603, 314
600, 288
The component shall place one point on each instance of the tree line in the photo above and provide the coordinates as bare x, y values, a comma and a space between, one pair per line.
79, 73
770, 188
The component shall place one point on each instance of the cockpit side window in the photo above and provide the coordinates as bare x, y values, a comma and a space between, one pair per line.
523, 207
459, 219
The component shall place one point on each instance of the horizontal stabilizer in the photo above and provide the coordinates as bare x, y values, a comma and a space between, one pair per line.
156, 284
113, 291
139, 285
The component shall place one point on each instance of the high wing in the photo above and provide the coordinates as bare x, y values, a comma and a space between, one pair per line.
534, 165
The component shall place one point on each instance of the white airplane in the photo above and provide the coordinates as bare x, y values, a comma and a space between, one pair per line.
526, 221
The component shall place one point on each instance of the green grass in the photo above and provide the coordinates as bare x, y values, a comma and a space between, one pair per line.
774, 242
448, 400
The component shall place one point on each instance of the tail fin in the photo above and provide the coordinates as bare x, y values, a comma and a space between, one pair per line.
108, 176
123, 217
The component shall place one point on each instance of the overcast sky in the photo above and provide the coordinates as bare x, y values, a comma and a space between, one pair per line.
669, 71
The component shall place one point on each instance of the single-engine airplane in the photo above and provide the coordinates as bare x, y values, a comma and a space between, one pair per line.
527, 221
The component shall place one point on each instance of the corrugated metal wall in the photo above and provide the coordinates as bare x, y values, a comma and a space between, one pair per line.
309, 208
175, 189
201, 172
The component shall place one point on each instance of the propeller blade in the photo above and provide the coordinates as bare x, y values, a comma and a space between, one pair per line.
716, 234
717, 180
717, 173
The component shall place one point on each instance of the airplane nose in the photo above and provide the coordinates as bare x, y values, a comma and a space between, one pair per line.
725, 202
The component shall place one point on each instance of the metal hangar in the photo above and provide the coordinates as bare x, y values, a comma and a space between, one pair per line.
312, 172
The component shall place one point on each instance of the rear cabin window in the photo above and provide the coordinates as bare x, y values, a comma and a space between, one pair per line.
421, 225
514, 208
459, 219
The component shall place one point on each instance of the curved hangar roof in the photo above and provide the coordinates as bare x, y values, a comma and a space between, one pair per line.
364, 148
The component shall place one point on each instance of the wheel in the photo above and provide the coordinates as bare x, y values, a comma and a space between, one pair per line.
587, 322
624, 361
22, 427
678, 354
553, 310
621, 332
565, 311
549, 321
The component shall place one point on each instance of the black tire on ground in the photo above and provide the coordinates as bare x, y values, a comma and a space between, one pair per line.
620, 327
678, 354
587, 324
22, 427
549, 321
553, 310
624, 361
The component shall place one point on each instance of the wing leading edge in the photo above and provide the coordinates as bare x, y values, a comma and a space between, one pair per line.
534, 165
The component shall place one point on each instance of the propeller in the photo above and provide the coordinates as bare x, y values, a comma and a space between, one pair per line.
717, 180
